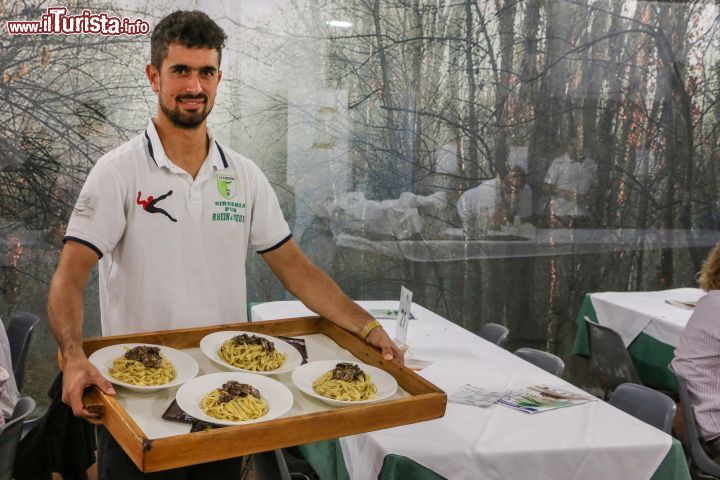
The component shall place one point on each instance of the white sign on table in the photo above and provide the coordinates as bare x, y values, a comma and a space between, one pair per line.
403, 317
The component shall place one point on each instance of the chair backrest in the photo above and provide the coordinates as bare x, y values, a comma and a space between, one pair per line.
10, 435
609, 358
270, 465
545, 360
650, 406
693, 439
495, 333
19, 332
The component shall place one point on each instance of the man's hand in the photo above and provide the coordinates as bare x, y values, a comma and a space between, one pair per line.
78, 374
379, 338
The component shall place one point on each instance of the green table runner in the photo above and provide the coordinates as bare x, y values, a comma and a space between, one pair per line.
327, 459
650, 356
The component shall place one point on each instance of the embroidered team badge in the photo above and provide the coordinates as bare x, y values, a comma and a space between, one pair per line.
149, 204
226, 184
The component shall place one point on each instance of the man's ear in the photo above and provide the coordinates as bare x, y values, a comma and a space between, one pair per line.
153, 76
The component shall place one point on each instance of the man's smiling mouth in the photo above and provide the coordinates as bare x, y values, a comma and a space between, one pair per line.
192, 103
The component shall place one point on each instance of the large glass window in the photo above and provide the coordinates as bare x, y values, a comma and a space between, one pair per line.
499, 158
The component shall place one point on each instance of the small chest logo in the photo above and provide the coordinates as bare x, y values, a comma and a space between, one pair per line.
149, 204
226, 184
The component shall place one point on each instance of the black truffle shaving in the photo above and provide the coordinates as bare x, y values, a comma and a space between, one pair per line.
266, 344
149, 356
347, 372
232, 390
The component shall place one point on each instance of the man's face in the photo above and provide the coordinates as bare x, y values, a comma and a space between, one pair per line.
186, 84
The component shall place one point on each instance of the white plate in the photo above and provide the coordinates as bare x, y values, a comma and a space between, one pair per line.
305, 375
278, 396
185, 366
210, 345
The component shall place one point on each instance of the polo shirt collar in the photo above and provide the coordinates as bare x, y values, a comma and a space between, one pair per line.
216, 156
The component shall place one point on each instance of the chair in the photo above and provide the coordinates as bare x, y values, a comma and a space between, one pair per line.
19, 332
250, 306
609, 358
10, 435
270, 465
495, 333
545, 360
694, 443
650, 406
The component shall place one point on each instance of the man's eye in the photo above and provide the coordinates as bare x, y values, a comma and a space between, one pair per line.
207, 73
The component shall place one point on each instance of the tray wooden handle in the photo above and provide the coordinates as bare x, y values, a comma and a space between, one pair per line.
93, 402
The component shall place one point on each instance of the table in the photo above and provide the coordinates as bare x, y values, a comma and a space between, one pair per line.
648, 325
546, 242
495, 442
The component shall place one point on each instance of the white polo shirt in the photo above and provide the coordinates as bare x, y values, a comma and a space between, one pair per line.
175, 260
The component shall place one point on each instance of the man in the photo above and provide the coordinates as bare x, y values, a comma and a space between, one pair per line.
170, 215
495, 202
568, 181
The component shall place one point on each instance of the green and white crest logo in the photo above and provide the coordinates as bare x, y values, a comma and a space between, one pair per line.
227, 186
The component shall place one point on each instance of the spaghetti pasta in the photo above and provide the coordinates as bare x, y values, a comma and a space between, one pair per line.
143, 366
346, 382
234, 401
251, 352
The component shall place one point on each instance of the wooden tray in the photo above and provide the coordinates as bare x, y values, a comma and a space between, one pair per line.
425, 402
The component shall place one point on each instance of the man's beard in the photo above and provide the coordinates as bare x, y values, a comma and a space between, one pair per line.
184, 119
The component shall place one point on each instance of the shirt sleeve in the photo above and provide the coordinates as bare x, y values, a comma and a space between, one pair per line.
98, 218
268, 228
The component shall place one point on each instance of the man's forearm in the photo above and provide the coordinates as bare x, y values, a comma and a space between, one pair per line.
65, 300
315, 288
322, 295
65, 314
319, 293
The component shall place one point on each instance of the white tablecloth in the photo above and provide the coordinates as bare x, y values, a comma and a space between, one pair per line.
588, 442
632, 313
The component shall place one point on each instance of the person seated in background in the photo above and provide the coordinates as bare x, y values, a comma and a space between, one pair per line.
697, 357
495, 202
568, 182
9, 394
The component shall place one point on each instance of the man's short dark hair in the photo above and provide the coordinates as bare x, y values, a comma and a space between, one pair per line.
192, 29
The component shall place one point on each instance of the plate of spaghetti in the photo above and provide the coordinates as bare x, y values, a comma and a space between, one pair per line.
340, 382
144, 367
250, 352
234, 398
